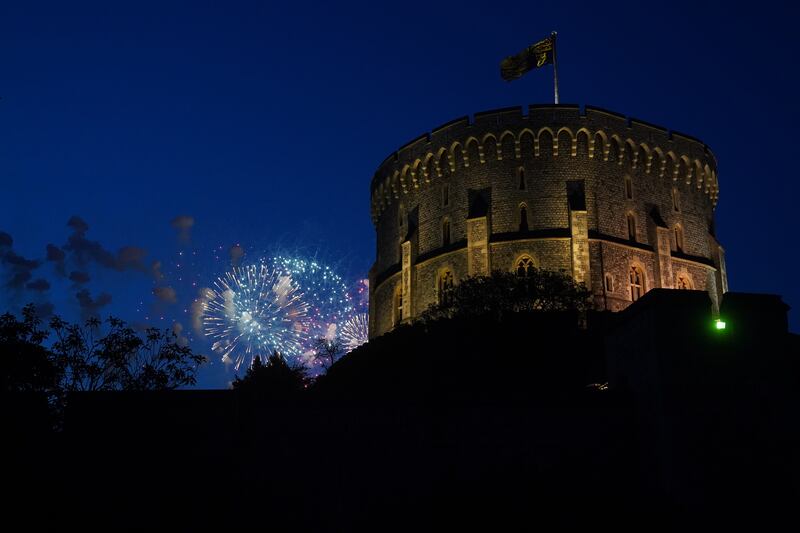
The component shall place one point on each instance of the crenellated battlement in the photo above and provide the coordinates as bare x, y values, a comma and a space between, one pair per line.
555, 131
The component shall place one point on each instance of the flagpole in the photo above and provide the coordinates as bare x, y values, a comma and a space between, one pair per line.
555, 69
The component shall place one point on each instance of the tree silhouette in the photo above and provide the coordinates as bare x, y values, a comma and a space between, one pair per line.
25, 365
327, 351
508, 292
120, 359
84, 358
274, 379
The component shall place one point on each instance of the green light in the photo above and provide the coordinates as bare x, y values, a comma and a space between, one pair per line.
719, 324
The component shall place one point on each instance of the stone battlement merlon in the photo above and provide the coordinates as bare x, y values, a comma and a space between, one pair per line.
548, 113
425, 138
496, 117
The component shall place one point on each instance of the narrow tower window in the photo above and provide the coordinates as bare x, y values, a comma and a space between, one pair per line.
631, 227
445, 232
679, 238
628, 187
637, 283
398, 304
676, 200
521, 178
523, 217
609, 283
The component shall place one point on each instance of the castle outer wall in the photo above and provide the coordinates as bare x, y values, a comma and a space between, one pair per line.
621, 205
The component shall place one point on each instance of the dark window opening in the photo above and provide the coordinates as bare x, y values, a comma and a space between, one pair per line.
445, 286
631, 227
525, 267
523, 218
637, 283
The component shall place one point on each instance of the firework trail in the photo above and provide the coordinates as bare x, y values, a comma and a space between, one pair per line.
253, 311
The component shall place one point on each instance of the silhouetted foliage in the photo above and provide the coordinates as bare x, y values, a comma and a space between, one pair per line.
450, 416
327, 351
120, 359
526, 357
275, 378
506, 292
87, 358
26, 364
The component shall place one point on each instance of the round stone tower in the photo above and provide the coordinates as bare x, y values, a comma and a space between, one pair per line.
622, 205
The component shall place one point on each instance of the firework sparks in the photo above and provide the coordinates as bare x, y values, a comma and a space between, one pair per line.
330, 304
355, 331
253, 311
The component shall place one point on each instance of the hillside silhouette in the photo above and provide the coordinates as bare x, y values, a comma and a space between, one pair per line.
538, 418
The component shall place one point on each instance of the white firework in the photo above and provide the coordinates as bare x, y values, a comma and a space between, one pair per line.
254, 311
355, 331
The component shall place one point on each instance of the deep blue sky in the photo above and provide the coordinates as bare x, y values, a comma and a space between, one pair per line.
265, 121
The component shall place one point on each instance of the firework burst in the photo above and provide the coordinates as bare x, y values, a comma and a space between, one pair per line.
253, 311
355, 331
329, 302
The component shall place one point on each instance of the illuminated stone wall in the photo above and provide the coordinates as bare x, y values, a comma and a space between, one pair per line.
568, 169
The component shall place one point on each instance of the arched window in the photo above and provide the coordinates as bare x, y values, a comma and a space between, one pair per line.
609, 283
599, 147
545, 144
507, 146
445, 232
525, 266
613, 151
445, 195
637, 283
678, 238
628, 187
397, 315
521, 178
523, 217
444, 285
676, 200
628, 151
444, 165
631, 227
683, 282
582, 142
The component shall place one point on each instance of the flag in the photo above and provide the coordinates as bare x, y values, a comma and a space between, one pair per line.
534, 56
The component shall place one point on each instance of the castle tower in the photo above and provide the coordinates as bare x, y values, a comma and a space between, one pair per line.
622, 205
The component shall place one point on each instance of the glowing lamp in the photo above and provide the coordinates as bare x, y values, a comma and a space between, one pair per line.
719, 324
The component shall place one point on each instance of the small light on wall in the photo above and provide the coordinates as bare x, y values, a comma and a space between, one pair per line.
719, 324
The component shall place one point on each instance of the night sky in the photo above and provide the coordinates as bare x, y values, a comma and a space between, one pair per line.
172, 132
